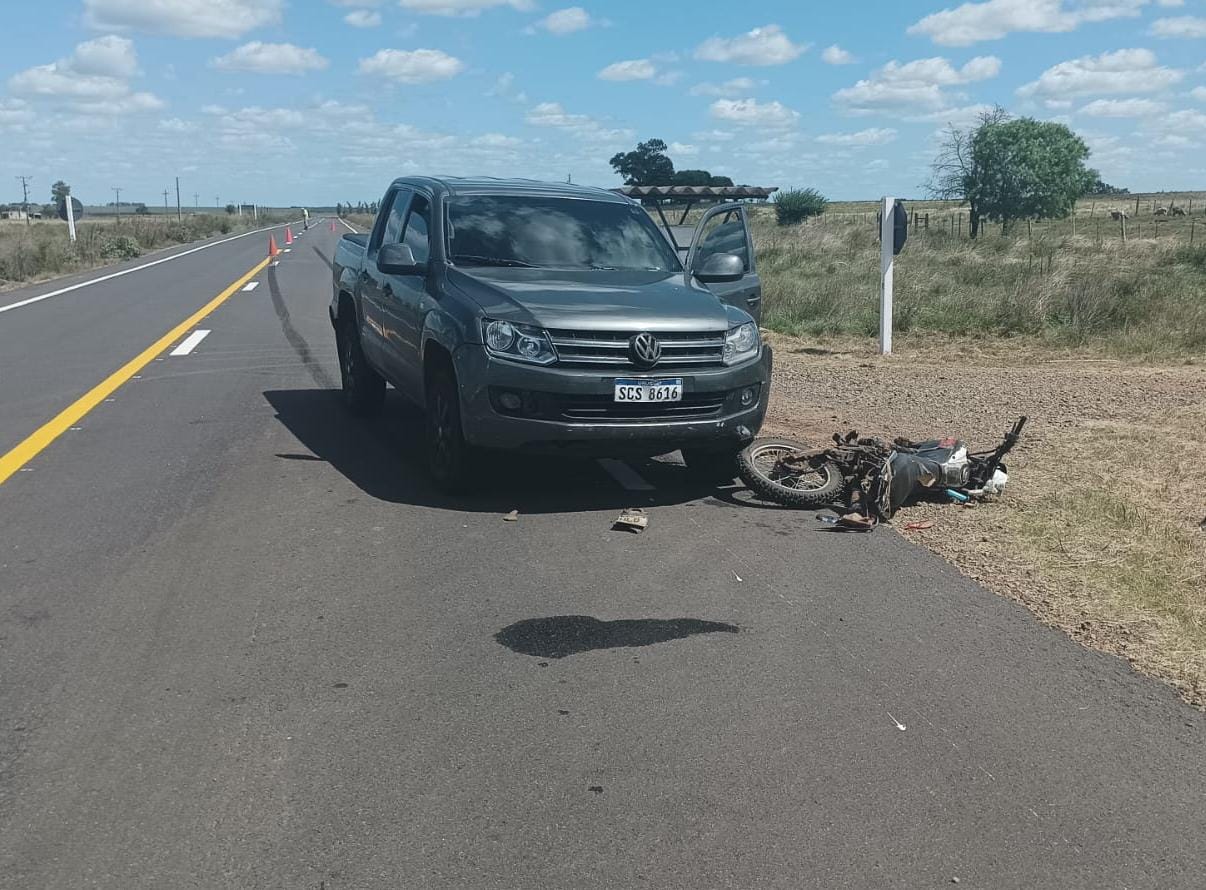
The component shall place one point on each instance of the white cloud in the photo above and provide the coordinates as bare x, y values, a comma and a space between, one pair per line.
1123, 108
767, 45
991, 20
566, 21
270, 58
1198, 93
109, 56
714, 136
683, 149
633, 69
552, 114
93, 80
497, 140
363, 18
738, 86
15, 113
872, 136
461, 7
753, 112
918, 86
1188, 121
504, 88
835, 55
1122, 71
184, 18
1179, 26
412, 66
176, 125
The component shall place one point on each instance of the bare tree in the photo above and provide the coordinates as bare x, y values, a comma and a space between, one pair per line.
954, 175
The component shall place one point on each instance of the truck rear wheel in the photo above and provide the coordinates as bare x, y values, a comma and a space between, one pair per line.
363, 388
449, 456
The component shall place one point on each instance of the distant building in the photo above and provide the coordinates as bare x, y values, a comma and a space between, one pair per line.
19, 214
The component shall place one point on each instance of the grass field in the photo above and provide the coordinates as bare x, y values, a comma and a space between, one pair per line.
43, 250
1072, 282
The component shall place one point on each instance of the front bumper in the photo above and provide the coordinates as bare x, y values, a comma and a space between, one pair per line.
571, 410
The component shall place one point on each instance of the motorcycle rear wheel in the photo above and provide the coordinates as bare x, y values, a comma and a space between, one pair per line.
818, 486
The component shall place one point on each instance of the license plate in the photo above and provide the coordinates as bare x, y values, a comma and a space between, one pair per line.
668, 390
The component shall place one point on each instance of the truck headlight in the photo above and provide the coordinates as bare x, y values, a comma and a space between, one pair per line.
518, 342
741, 343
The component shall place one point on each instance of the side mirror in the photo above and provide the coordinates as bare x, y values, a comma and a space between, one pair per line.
721, 267
398, 259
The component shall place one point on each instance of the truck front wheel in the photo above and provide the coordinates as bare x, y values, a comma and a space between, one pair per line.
449, 456
363, 388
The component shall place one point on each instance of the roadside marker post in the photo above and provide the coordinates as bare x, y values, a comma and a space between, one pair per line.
70, 207
893, 232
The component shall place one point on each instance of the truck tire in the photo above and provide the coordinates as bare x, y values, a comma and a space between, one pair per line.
449, 456
710, 465
363, 388
820, 488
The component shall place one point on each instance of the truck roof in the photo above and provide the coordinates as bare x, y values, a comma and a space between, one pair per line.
466, 185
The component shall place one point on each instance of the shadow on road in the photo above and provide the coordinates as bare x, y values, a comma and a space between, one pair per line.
384, 458
573, 634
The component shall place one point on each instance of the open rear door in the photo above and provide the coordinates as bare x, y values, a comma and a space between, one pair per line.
725, 229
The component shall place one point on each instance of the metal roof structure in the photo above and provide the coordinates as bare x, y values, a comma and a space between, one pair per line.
695, 192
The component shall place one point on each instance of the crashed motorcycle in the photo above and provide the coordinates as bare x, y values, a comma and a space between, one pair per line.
870, 477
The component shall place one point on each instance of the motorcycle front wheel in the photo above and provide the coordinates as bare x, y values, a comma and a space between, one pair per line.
818, 484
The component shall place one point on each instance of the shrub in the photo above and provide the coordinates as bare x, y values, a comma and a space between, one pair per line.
121, 247
796, 205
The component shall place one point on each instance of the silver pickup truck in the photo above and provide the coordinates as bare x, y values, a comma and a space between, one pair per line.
526, 315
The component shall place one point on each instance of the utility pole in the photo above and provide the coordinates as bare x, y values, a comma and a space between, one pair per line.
217, 203
25, 191
179, 217
117, 201
196, 202
165, 203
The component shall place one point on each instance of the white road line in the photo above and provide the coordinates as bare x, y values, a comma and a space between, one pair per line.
251, 285
350, 227
112, 275
189, 343
287, 250
624, 474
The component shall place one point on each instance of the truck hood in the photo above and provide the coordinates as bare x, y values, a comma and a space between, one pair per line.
596, 300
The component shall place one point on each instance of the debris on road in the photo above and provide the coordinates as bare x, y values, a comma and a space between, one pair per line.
633, 519
513, 516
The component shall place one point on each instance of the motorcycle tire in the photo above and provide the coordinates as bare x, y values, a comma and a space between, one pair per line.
824, 485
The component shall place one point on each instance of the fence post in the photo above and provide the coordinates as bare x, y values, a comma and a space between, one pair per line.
1192, 223
1136, 206
1122, 221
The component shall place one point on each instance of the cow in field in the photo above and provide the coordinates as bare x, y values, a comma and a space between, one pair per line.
1160, 211
1117, 215
1178, 211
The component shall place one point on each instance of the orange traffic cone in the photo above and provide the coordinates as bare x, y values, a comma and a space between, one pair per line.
332, 225
288, 235
273, 250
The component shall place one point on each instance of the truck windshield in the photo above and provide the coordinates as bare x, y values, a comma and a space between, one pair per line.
555, 233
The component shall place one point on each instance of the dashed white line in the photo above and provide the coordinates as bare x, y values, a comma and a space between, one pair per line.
624, 474
112, 275
251, 285
189, 343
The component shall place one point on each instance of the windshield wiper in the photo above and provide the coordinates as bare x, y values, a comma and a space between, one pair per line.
475, 260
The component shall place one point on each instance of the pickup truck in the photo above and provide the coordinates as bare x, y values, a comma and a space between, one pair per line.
552, 318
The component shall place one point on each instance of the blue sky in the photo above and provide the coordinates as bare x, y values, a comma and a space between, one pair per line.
317, 101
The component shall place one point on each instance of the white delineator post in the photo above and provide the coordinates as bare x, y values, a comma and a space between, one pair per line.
887, 238
70, 218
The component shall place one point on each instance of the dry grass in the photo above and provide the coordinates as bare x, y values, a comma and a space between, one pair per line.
1146, 296
43, 250
1098, 533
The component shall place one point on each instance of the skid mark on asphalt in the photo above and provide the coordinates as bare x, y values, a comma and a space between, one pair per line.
317, 373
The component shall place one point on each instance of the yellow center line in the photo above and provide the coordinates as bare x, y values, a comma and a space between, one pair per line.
69, 416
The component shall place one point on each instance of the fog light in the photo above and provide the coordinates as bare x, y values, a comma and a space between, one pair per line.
748, 396
510, 401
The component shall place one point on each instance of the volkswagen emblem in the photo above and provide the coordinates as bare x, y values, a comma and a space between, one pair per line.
645, 350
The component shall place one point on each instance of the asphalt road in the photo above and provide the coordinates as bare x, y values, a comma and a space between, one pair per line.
244, 644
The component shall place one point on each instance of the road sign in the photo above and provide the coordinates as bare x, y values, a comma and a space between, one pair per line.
900, 227
893, 232
76, 207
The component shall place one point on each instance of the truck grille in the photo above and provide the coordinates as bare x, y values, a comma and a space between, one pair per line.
609, 349
603, 408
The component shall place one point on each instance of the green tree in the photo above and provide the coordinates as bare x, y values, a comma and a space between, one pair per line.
647, 165
1104, 188
231, 209
59, 191
796, 205
724, 181
691, 177
1010, 169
